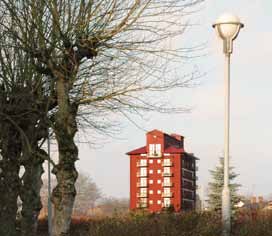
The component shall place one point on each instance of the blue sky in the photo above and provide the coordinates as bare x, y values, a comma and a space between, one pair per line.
251, 103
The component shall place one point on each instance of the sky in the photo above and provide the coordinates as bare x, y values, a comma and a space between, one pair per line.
203, 127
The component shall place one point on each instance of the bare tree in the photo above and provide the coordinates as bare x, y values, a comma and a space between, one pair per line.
100, 57
110, 206
88, 194
23, 113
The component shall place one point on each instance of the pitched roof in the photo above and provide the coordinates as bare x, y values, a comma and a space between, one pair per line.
141, 150
172, 149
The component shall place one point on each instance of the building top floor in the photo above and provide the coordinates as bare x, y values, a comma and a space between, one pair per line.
159, 143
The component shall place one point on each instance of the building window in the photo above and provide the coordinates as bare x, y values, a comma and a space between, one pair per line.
167, 170
143, 200
158, 148
158, 171
159, 202
143, 192
166, 181
159, 181
167, 162
143, 172
154, 149
150, 191
158, 161
167, 202
151, 181
143, 182
143, 162
151, 161
150, 171
166, 191
150, 202
159, 192
151, 149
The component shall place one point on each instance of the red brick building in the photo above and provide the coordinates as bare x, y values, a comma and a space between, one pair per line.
162, 174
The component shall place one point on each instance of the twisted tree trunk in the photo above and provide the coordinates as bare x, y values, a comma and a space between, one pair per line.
9, 180
30, 193
64, 193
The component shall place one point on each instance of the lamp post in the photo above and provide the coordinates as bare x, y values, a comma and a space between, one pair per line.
49, 186
227, 27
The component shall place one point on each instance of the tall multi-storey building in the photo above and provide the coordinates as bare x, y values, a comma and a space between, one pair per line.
162, 174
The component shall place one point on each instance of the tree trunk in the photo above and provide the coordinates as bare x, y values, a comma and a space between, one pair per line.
64, 193
9, 181
30, 194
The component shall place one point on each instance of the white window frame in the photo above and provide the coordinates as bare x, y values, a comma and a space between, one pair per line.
158, 149
166, 170
143, 181
166, 180
167, 202
151, 149
143, 162
167, 161
143, 171
143, 190
167, 190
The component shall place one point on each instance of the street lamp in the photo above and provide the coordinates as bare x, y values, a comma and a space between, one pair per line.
49, 206
227, 27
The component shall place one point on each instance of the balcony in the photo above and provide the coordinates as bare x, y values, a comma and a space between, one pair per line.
167, 194
166, 205
141, 174
167, 163
142, 185
188, 195
187, 174
142, 205
142, 195
142, 164
154, 154
167, 174
167, 184
189, 187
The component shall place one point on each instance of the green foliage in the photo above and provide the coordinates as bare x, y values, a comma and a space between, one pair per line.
216, 187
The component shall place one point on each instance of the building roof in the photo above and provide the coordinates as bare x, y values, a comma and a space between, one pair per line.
142, 150
173, 144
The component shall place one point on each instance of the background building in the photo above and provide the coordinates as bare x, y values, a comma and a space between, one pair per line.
162, 174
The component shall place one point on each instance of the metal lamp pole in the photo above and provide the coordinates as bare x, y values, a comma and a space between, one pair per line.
49, 210
227, 27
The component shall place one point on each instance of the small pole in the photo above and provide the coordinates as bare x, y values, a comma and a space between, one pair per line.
49, 187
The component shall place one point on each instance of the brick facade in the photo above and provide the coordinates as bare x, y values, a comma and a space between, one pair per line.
162, 174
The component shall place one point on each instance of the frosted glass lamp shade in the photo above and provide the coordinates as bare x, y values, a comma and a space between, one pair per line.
228, 26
